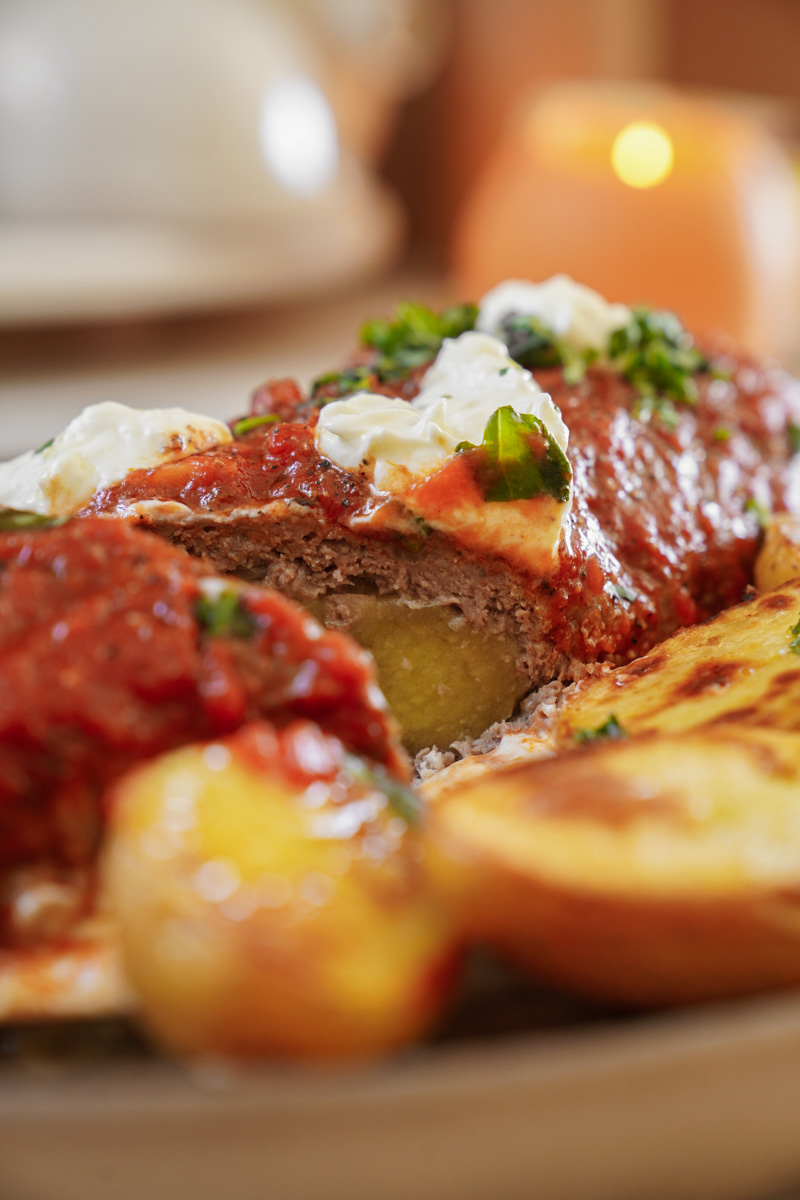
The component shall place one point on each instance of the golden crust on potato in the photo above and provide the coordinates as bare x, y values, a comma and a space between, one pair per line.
264, 910
658, 870
778, 560
743, 668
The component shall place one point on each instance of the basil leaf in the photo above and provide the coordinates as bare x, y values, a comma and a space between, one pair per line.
45, 446
793, 433
517, 459
239, 428
225, 616
610, 729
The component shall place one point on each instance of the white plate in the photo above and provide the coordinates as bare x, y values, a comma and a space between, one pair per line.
695, 1106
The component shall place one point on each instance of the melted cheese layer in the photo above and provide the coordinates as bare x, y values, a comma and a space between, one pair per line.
97, 449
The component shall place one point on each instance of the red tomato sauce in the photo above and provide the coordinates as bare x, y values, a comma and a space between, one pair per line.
106, 661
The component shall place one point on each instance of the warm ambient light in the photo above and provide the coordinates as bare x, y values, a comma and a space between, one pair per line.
642, 154
299, 139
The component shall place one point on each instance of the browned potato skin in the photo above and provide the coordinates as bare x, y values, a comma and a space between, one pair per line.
621, 938
778, 560
741, 668
353, 969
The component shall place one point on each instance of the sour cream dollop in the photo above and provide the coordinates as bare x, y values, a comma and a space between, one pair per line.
98, 448
581, 317
471, 377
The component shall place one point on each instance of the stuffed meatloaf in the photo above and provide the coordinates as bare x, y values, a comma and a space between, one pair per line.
493, 498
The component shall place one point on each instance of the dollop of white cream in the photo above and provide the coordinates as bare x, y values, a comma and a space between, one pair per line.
470, 379
581, 317
97, 449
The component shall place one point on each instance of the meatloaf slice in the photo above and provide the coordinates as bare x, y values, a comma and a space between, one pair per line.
663, 529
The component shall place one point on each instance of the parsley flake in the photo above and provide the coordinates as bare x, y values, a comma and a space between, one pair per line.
610, 730
532, 344
405, 802
239, 428
794, 634
16, 518
225, 616
656, 354
759, 511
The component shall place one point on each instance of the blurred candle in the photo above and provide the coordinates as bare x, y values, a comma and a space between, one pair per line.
648, 195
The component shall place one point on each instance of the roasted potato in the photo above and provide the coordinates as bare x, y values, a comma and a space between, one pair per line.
272, 899
652, 871
443, 679
743, 667
778, 559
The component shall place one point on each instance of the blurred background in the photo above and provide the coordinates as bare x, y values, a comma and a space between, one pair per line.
195, 194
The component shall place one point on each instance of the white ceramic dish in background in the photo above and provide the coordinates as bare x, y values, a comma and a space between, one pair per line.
72, 272
695, 1106
176, 155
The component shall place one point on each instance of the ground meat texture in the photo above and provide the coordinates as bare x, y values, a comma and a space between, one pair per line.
661, 532
108, 659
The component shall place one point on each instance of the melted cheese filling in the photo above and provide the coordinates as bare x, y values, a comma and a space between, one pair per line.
98, 449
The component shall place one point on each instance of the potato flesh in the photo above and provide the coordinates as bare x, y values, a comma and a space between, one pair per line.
658, 870
251, 927
778, 559
739, 668
443, 679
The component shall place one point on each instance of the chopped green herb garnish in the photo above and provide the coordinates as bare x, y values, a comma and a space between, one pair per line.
531, 344
656, 354
625, 593
414, 336
721, 434
794, 634
759, 511
225, 616
239, 428
610, 729
518, 458
410, 340
355, 379
793, 432
45, 446
15, 518
405, 802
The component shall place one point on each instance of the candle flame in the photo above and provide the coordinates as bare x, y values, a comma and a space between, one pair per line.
642, 154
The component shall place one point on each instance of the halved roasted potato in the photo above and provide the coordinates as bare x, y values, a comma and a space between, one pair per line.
272, 899
778, 559
652, 871
743, 667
